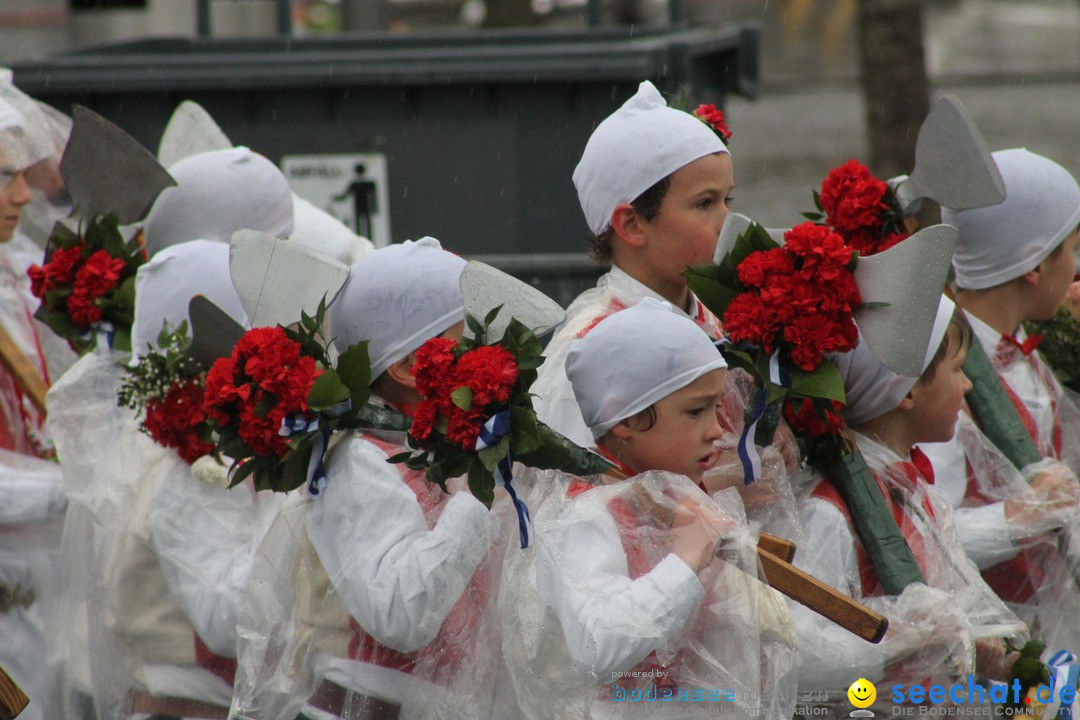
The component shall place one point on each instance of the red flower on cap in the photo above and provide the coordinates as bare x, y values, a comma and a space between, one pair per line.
714, 118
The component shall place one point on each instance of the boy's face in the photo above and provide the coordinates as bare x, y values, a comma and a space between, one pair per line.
938, 399
691, 214
681, 439
1055, 275
14, 193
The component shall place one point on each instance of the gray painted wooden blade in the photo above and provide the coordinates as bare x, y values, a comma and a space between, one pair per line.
952, 164
213, 332
484, 288
190, 131
106, 170
735, 224
277, 279
901, 289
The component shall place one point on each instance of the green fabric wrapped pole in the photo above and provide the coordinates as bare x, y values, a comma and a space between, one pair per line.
889, 553
994, 411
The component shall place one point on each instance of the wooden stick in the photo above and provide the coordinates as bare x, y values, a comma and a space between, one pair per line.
12, 699
823, 599
22, 371
776, 546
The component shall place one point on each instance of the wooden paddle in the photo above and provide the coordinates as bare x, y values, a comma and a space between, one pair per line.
22, 371
12, 699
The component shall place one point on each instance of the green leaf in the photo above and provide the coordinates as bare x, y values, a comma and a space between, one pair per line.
327, 391
399, 458
354, 370
525, 435
462, 397
481, 483
240, 472
492, 314
491, 456
813, 216
824, 382
475, 327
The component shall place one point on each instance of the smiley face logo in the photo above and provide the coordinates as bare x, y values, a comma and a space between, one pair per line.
862, 693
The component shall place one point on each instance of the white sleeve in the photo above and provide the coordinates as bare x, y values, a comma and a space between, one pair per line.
205, 538
396, 577
610, 622
985, 534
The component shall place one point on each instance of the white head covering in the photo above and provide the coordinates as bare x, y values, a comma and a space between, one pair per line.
165, 285
218, 193
398, 297
319, 229
25, 132
1004, 241
634, 358
638, 145
871, 388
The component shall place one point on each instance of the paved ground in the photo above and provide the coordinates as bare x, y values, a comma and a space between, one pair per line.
1015, 65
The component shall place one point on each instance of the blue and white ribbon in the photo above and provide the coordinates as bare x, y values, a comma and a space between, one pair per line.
748, 452
498, 426
296, 424
104, 334
1066, 671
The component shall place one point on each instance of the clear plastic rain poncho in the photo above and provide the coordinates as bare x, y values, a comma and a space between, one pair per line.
378, 595
170, 545
934, 629
1010, 530
601, 620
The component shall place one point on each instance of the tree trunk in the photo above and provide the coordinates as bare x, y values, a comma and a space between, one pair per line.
894, 82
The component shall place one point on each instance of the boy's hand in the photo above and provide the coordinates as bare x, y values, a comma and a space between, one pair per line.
1051, 492
695, 533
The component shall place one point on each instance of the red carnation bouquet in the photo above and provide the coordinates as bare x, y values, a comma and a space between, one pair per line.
475, 417
861, 208
714, 118
167, 388
784, 308
87, 285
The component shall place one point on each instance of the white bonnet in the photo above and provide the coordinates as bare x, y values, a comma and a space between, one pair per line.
165, 285
634, 358
871, 388
1001, 242
398, 297
216, 194
638, 145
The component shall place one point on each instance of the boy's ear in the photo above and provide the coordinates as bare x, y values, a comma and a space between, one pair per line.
621, 431
909, 400
1031, 277
399, 371
627, 224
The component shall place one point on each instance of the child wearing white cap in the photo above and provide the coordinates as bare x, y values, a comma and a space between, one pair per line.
654, 183
1013, 262
935, 628
637, 613
391, 577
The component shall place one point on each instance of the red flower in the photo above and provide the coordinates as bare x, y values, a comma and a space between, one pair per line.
464, 427
251, 392
816, 245
82, 310
59, 271
852, 198
434, 360
747, 320
714, 118
804, 418
422, 420
759, 266
490, 372
98, 275
176, 420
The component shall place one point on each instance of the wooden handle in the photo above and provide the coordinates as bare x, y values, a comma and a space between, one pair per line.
777, 546
12, 699
823, 599
22, 371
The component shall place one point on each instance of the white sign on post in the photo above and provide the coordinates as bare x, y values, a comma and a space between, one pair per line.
352, 188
